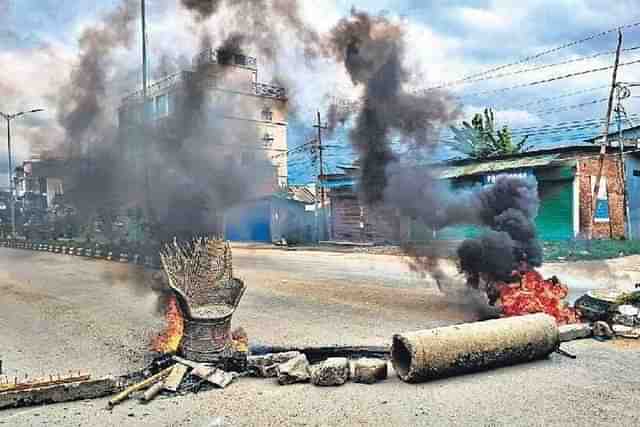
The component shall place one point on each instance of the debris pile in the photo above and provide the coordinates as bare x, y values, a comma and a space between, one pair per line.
611, 313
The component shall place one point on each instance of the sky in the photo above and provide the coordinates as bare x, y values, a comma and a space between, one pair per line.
557, 40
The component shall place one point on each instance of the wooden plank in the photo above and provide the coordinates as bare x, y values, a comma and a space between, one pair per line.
59, 393
6, 384
172, 383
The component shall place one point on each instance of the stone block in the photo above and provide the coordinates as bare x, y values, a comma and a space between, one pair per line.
266, 365
293, 371
369, 371
331, 372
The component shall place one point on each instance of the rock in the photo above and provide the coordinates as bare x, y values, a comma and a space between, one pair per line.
333, 371
602, 329
626, 331
266, 365
626, 315
369, 371
574, 331
295, 370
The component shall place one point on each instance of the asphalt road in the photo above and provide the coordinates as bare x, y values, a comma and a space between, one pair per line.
60, 312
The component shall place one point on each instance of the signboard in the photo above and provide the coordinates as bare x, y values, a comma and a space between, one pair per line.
491, 178
602, 201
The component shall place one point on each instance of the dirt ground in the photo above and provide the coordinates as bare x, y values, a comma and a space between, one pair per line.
60, 312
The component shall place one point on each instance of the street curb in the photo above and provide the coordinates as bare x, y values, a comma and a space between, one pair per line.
85, 252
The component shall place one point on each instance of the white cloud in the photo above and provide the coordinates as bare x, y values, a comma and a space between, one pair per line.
484, 19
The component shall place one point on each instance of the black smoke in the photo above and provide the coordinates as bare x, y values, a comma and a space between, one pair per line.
258, 23
373, 49
182, 172
203, 9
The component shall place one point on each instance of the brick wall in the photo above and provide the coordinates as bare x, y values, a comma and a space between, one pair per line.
588, 168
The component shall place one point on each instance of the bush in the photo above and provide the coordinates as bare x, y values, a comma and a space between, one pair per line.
573, 250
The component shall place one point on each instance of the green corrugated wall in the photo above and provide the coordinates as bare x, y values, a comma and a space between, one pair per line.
555, 216
554, 220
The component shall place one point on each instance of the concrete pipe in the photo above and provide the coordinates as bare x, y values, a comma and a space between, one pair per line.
470, 347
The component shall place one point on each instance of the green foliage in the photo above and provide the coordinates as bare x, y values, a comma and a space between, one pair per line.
583, 250
480, 139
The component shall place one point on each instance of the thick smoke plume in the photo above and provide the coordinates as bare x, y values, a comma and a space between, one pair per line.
257, 23
372, 50
180, 177
89, 146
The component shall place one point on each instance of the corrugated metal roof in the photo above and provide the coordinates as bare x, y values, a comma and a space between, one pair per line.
483, 167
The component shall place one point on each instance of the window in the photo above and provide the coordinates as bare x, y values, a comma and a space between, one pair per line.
267, 115
162, 106
267, 139
602, 199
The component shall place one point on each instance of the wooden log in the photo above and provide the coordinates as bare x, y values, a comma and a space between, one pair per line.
139, 386
152, 392
59, 393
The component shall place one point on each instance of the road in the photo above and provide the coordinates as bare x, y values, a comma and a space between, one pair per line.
60, 312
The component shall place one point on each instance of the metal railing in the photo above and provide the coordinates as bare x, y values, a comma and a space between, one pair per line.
215, 56
270, 91
159, 86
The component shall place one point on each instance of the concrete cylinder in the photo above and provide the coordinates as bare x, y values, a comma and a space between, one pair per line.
470, 347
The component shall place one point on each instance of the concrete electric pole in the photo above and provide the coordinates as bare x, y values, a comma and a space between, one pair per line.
12, 205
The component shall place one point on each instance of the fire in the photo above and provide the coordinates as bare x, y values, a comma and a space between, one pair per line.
169, 340
534, 294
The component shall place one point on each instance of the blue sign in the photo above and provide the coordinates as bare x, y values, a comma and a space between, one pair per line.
602, 209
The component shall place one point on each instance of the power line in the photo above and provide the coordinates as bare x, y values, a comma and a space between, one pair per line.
528, 70
546, 52
568, 107
545, 100
553, 79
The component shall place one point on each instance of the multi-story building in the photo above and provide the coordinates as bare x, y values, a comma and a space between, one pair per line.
249, 118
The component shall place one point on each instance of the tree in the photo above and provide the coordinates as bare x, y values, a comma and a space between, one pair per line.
480, 139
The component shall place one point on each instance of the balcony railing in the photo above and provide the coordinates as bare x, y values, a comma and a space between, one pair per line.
159, 86
270, 91
216, 56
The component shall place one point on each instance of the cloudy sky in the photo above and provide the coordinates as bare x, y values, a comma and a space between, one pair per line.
448, 41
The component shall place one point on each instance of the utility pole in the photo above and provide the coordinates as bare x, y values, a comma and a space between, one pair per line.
319, 185
145, 142
144, 54
623, 91
605, 141
12, 203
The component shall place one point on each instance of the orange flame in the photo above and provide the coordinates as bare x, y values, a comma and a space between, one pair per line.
534, 294
169, 340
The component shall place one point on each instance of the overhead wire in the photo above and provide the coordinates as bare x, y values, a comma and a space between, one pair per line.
536, 68
548, 51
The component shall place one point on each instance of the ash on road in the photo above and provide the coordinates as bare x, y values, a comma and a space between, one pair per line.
59, 313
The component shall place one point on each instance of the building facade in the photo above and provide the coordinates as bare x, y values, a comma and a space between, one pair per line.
566, 181
225, 86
